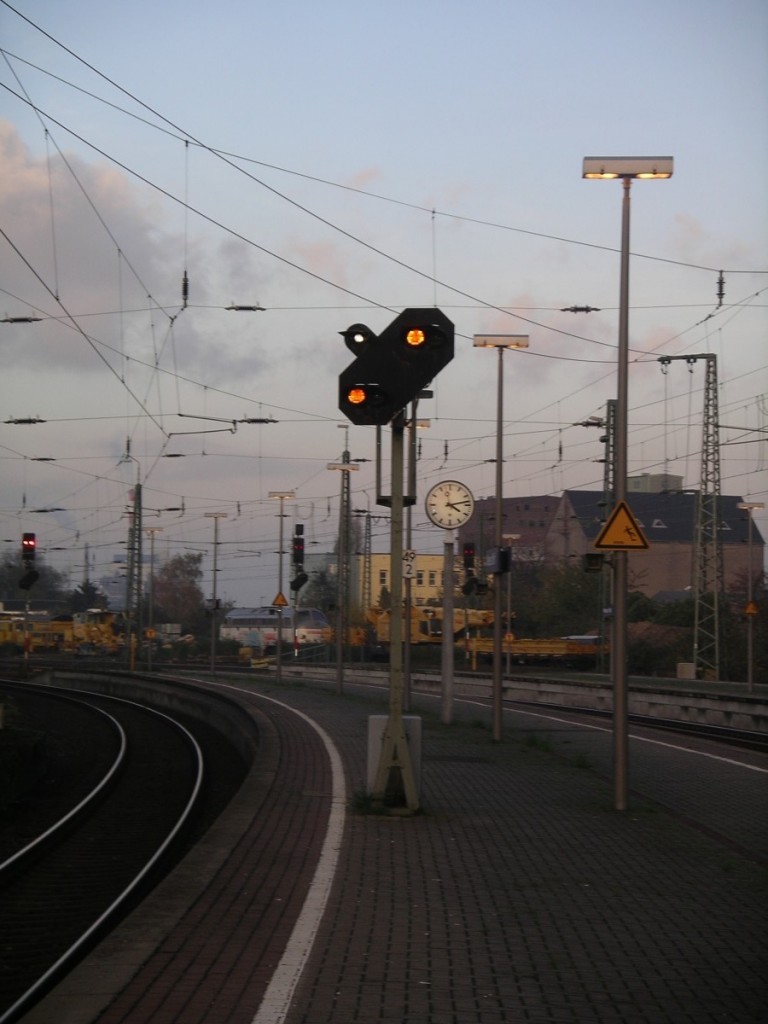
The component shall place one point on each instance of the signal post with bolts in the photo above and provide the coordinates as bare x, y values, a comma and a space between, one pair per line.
28, 551
389, 371
299, 576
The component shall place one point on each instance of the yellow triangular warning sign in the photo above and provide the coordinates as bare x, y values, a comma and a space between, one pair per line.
280, 601
621, 531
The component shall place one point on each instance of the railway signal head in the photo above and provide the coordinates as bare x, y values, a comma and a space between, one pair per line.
28, 547
298, 581
392, 369
593, 561
28, 579
469, 555
298, 546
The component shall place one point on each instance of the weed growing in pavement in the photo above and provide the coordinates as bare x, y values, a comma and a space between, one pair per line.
537, 743
362, 802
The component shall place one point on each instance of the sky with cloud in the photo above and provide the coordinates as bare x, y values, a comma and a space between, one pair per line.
335, 164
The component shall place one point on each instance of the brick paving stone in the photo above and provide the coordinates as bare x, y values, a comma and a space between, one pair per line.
519, 896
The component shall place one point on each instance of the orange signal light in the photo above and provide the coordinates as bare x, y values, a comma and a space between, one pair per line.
415, 337
357, 396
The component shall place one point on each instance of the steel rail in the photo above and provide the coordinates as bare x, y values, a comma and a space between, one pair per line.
27, 998
89, 798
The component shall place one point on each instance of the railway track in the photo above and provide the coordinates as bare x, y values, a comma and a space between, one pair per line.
742, 738
477, 687
124, 791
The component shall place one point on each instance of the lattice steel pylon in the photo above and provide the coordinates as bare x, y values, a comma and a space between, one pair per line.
134, 582
708, 579
367, 587
609, 472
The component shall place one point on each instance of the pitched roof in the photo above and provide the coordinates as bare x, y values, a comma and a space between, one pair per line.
668, 517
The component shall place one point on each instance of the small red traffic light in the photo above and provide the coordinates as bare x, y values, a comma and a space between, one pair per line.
298, 548
28, 546
469, 555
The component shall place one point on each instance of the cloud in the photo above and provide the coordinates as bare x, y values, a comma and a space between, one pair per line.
693, 243
364, 177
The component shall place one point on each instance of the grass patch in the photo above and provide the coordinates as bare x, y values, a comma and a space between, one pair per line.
536, 742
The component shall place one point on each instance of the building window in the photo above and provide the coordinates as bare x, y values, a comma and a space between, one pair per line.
382, 577
432, 578
419, 577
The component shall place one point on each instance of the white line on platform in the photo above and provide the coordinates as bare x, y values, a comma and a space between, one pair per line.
277, 999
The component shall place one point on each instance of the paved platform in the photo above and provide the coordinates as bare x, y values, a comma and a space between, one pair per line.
519, 895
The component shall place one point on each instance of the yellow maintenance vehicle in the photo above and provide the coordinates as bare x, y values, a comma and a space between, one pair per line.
473, 631
427, 624
568, 651
93, 631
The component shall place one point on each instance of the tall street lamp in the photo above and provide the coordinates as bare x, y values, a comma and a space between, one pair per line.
500, 342
751, 609
215, 516
626, 168
280, 601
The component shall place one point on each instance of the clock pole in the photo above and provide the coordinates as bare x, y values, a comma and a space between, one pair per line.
449, 504
447, 638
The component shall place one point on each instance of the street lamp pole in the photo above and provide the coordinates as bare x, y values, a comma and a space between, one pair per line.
749, 507
499, 342
625, 168
282, 496
215, 516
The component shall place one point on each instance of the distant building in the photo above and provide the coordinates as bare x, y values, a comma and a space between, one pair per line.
547, 528
426, 583
668, 522
654, 483
526, 523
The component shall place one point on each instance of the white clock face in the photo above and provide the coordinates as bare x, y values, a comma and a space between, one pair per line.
450, 504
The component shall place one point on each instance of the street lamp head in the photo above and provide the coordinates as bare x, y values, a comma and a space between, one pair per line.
500, 340
282, 494
628, 167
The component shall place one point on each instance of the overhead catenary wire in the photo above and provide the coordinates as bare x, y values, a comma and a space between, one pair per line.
288, 199
79, 330
434, 214
343, 186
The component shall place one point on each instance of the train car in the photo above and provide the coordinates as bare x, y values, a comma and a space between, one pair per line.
258, 627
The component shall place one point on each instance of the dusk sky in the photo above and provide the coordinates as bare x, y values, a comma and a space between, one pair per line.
337, 163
